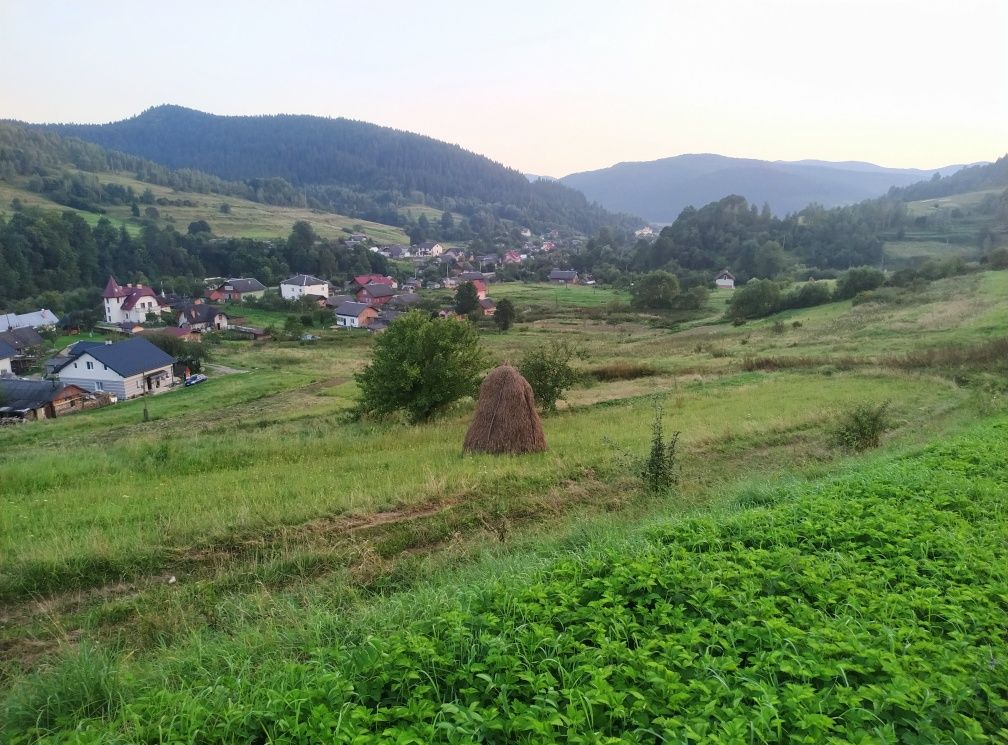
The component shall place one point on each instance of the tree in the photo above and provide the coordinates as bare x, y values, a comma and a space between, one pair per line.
420, 365
505, 314
548, 370
466, 299
655, 290
859, 279
151, 213
225, 208
199, 226
755, 299
769, 261
135, 209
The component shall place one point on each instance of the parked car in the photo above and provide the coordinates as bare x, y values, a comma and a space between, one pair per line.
194, 379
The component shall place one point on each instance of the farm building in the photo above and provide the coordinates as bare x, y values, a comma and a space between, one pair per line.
564, 276
41, 399
725, 280
7, 355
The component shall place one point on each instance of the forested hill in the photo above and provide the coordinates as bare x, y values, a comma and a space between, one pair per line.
658, 190
974, 178
348, 166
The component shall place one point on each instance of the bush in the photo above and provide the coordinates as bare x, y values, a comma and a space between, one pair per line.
623, 371
862, 427
660, 472
655, 291
548, 370
420, 365
858, 280
755, 299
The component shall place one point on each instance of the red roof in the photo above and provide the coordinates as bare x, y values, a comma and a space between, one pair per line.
377, 279
131, 293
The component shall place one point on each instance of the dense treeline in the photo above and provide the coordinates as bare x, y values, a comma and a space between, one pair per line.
58, 260
975, 178
351, 167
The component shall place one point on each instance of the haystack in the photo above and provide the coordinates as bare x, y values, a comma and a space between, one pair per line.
506, 420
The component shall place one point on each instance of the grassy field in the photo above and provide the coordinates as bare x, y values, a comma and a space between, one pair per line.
252, 513
246, 219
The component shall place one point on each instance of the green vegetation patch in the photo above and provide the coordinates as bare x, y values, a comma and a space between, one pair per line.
867, 608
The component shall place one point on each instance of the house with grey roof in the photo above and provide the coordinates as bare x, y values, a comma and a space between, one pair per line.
296, 287
202, 317
37, 319
129, 368
351, 315
563, 276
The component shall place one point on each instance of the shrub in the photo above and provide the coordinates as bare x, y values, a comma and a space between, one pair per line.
420, 365
655, 291
862, 426
623, 371
660, 472
548, 370
858, 280
778, 327
755, 299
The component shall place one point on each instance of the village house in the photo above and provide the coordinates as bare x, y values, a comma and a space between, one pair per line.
487, 306
385, 317
236, 289
24, 341
404, 301
375, 279
471, 276
375, 294
564, 276
395, 251
512, 257
202, 317
127, 368
429, 248
725, 280
353, 315
41, 399
646, 232
300, 285
37, 319
129, 304
334, 301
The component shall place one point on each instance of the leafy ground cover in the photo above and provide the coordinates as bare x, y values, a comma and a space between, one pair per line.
867, 607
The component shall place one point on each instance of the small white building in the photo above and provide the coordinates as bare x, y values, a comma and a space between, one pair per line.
725, 280
355, 315
127, 368
129, 304
7, 353
296, 287
429, 248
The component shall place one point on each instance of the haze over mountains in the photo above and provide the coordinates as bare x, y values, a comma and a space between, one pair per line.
368, 171
658, 190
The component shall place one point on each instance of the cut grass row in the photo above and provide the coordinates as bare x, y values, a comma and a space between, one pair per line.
866, 607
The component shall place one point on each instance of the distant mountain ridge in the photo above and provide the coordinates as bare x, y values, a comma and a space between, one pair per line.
358, 168
658, 190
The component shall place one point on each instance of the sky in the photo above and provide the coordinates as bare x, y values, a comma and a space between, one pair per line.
544, 86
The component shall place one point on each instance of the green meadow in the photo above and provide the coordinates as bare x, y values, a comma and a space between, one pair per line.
252, 564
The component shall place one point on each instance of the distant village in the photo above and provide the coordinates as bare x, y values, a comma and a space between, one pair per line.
127, 363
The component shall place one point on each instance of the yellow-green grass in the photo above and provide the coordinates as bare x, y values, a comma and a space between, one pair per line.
964, 201
246, 219
928, 249
552, 295
257, 482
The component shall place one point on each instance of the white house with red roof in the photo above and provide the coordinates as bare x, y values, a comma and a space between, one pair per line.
129, 304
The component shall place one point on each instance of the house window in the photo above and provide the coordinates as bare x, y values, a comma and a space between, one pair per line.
105, 366
90, 366
99, 386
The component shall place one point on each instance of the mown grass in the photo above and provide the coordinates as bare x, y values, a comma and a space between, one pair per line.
866, 607
281, 519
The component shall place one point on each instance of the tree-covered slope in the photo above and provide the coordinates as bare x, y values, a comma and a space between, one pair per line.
660, 189
380, 163
973, 178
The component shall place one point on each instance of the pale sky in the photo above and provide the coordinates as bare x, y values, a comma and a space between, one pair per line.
545, 87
